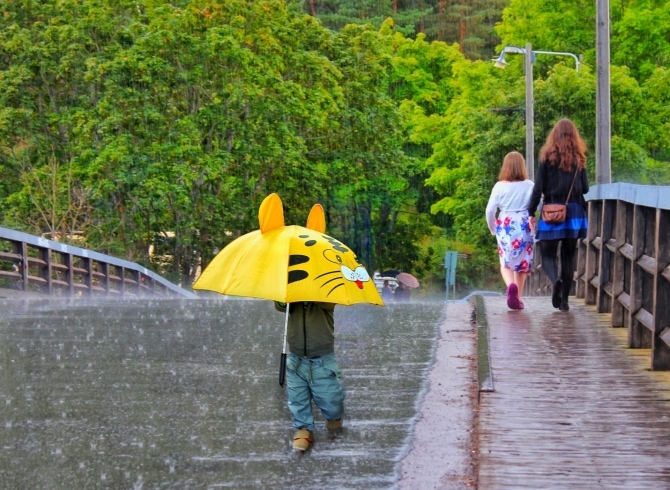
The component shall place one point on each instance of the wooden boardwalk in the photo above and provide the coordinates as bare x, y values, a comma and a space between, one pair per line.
572, 406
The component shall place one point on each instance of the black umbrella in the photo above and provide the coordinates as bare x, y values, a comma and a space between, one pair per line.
390, 273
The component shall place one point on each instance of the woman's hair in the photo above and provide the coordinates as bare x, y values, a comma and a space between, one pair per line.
564, 147
513, 168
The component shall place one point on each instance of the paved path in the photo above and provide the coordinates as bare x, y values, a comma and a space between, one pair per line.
440, 455
572, 407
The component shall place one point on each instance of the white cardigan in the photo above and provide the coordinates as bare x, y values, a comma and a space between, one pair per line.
508, 197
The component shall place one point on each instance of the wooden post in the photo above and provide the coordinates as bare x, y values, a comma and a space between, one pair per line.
104, 266
608, 216
618, 263
88, 279
45, 270
638, 335
660, 342
580, 286
137, 275
122, 284
21, 249
592, 252
69, 274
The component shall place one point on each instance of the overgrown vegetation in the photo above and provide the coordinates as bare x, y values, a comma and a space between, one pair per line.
123, 120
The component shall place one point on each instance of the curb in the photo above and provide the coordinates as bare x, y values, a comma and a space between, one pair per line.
484, 372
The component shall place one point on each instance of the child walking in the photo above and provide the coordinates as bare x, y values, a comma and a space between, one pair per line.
312, 372
512, 228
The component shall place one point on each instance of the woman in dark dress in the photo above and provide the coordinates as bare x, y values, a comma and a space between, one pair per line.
561, 173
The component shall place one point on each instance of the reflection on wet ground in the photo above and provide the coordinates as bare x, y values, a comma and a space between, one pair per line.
184, 394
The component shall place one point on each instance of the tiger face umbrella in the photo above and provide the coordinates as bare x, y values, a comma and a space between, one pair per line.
289, 264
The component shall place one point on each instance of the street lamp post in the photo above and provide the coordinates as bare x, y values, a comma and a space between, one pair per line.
529, 59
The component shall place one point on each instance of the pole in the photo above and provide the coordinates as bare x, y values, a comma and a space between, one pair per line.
603, 113
530, 115
282, 358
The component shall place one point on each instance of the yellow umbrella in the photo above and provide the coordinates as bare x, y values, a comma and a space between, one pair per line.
289, 264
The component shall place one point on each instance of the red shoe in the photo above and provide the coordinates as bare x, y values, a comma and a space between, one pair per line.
513, 297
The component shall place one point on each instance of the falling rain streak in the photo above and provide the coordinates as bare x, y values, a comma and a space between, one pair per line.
177, 394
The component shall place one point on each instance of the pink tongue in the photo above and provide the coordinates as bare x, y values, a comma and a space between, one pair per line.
359, 283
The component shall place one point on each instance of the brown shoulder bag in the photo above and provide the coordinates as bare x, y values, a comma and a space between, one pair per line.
556, 213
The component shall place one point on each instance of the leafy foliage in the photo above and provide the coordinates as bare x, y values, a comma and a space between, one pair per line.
150, 122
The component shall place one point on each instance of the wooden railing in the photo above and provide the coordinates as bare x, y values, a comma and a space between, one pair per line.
623, 265
32, 263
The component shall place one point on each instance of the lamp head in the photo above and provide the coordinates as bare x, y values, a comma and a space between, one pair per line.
500, 61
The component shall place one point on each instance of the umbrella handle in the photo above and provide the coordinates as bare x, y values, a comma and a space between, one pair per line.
282, 362
282, 369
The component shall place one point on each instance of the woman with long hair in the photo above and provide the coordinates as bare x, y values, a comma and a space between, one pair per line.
561, 177
511, 228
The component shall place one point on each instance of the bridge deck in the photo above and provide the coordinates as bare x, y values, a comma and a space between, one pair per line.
572, 407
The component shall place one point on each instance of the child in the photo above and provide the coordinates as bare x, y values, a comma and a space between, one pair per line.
512, 229
312, 372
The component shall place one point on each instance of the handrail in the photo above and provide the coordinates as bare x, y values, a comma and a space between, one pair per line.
53, 275
623, 264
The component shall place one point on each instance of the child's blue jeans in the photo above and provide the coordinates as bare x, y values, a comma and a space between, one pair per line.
315, 379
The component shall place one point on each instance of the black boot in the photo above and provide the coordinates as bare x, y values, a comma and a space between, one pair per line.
565, 293
556, 294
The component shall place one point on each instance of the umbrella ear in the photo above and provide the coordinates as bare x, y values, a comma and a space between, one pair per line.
271, 213
317, 219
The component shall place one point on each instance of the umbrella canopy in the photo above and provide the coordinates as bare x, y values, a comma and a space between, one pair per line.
390, 273
408, 280
289, 263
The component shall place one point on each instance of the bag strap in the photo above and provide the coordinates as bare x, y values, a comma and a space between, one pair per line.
572, 185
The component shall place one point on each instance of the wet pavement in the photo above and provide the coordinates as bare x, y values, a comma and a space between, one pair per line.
573, 407
184, 394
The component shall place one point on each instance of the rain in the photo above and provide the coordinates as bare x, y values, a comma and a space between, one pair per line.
185, 394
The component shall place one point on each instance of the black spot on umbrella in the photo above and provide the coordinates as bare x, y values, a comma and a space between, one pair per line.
309, 243
336, 245
294, 276
297, 259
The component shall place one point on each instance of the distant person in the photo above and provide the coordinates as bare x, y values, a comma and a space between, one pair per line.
561, 177
312, 372
402, 293
511, 227
387, 293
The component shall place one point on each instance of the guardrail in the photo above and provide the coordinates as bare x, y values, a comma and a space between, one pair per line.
32, 263
623, 265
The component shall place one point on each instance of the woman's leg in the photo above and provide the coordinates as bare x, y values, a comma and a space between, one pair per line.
507, 275
520, 281
568, 252
548, 250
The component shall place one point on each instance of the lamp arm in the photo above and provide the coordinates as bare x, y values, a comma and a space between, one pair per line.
561, 54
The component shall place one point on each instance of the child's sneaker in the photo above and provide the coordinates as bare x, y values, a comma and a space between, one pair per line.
334, 424
302, 439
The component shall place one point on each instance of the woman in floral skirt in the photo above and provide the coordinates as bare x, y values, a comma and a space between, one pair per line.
510, 195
